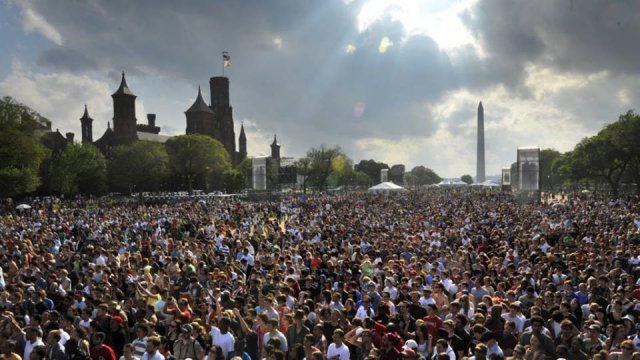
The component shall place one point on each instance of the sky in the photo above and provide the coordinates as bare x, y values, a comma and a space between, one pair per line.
397, 81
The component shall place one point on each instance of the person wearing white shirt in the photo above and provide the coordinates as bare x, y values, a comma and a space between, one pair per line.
152, 353
222, 338
33, 337
338, 350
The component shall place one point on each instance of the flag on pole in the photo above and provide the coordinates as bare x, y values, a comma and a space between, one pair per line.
226, 59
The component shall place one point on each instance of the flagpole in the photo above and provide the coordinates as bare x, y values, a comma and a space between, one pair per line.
223, 64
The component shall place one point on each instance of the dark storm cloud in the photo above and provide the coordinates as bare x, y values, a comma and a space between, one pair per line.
307, 89
65, 59
578, 36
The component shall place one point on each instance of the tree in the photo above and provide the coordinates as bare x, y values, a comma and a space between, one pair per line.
323, 161
424, 176
396, 174
18, 116
625, 134
549, 179
599, 158
78, 169
467, 178
233, 181
139, 166
303, 166
372, 169
196, 159
245, 167
21, 155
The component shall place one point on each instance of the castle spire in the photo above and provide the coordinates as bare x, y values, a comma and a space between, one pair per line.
124, 88
199, 105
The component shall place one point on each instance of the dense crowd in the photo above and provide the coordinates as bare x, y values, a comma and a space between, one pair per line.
440, 274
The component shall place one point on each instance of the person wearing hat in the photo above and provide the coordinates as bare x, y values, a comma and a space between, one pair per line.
117, 336
296, 334
186, 347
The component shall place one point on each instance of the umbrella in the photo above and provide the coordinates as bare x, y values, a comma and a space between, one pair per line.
23, 207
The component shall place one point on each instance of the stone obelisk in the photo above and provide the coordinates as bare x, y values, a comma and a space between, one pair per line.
480, 175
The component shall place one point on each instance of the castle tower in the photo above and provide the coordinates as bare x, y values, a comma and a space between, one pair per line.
242, 145
199, 117
222, 113
480, 174
275, 148
124, 113
87, 128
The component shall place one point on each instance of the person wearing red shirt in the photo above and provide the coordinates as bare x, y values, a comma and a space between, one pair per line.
99, 351
432, 321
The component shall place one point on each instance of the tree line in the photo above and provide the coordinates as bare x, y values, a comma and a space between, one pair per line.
605, 161
31, 162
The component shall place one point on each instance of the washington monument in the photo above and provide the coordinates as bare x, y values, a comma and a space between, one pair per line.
480, 166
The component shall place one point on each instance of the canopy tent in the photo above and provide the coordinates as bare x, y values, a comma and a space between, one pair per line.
386, 187
448, 183
488, 183
23, 207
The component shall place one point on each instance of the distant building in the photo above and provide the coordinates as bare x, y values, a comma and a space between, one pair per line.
215, 120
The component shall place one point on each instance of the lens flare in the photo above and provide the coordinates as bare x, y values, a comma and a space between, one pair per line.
358, 109
385, 43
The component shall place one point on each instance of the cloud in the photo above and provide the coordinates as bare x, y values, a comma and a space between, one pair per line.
312, 71
34, 22
60, 97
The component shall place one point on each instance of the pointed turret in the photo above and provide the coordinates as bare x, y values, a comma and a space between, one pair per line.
200, 117
124, 114
86, 124
275, 148
242, 144
199, 105
124, 88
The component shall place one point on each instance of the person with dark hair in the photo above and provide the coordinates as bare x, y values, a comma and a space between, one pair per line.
39, 353
100, 351
55, 351
8, 349
117, 336
547, 344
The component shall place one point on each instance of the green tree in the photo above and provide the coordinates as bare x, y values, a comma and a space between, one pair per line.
600, 159
303, 166
78, 169
21, 154
625, 134
139, 166
372, 169
549, 179
245, 167
323, 161
194, 159
424, 176
233, 181
467, 178
396, 174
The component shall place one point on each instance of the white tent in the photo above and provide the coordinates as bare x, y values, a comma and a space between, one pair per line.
386, 187
448, 183
487, 183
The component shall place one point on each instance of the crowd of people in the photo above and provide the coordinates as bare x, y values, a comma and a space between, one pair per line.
437, 274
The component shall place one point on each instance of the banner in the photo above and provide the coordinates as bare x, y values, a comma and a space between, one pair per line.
529, 169
506, 176
384, 175
259, 170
